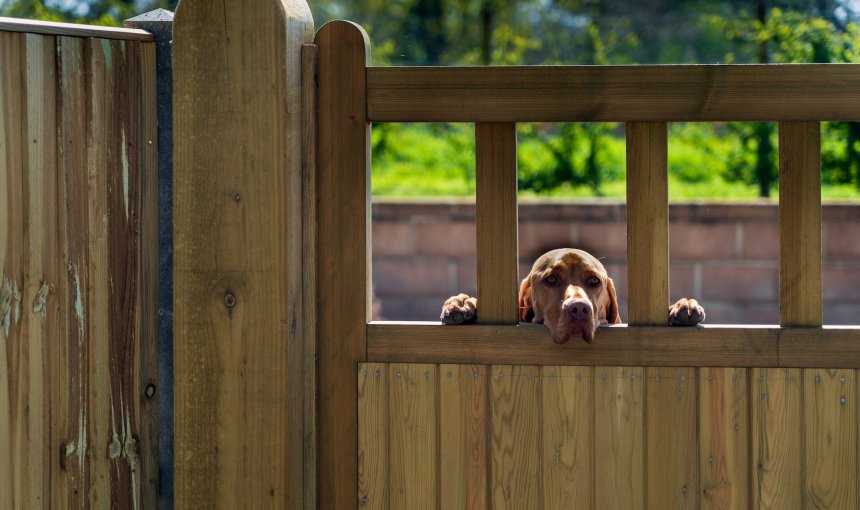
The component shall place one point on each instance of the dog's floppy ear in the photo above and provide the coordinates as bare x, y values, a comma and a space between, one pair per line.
612, 314
525, 301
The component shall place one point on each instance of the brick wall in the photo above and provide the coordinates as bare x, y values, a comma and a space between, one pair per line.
724, 255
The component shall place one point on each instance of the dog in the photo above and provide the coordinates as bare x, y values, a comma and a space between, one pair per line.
569, 292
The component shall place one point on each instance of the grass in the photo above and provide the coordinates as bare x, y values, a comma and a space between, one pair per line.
437, 161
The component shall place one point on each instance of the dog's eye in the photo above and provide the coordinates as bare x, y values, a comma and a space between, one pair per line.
550, 279
594, 281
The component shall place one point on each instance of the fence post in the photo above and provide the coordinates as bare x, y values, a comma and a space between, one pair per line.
156, 356
239, 347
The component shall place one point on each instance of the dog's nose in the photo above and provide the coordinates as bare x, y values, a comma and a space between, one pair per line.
580, 309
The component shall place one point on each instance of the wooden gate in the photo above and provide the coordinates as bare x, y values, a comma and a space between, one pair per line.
419, 415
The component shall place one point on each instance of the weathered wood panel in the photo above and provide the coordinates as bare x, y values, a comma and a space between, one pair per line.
71, 165
373, 445
239, 350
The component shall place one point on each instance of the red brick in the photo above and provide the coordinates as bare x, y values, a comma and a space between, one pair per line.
427, 309
696, 241
467, 277
618, 273
843, 241
760, 241
717, 312
841, 284
392, 238
758, 313
452, 239
395, 309
682, 282
603, 239
842, 315
740, 283
538, 237
423, 278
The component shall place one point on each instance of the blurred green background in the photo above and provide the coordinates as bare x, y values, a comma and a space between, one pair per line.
722, 161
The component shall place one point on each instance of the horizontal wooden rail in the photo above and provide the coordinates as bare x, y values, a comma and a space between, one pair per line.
790, 92
73, 29
704, 346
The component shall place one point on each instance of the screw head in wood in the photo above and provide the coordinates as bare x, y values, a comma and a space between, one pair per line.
230, 299
149, 391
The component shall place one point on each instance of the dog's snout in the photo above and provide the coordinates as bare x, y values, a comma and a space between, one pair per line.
579, 309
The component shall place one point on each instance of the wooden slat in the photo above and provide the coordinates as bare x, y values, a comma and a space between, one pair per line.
69, 397
343, 187
619, 433
237, 257
496, 230
414, 462
830, 438
463, 423
40, 270
13, 419
647, 224
148, 298
567, 437
724, 438
373, 446
72, 29
614, 93
516, 450
310, 58
671, 448
800, 224
777, 456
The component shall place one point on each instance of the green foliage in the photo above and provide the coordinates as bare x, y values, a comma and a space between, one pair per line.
93, 12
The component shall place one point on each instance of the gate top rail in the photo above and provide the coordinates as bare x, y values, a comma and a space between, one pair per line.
73, 29
624, 93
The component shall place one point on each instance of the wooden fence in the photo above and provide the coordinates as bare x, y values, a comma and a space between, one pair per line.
77, 314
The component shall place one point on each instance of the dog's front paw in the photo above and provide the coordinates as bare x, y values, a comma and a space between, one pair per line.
686, 312
459, 309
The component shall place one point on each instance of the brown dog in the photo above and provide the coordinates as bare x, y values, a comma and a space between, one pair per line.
569, 292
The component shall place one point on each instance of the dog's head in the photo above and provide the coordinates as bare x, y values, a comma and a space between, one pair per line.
570, 293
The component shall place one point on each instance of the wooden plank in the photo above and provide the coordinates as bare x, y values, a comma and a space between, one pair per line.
373, 446
647, 224
72, 29
568, 437
724, 438
413, 455
237, 260
800, 295
69, 399
148, 385
671, 459
463, 425
496, 229
516, 477
96, 369
40, 269
619, 440
777, 456
13, 370
343, 242
830, 438
667, 346
614, 93
310, 58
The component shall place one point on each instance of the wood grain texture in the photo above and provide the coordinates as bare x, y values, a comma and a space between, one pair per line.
13, 365
567, 437
671, 458
413, 422
800, 297
464, 415
829, 438
72, 29
373, 444
237, 255
724, 438
614, 93
343, 252
516, 476
619, 434
777, 454
496, 229
647, 224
